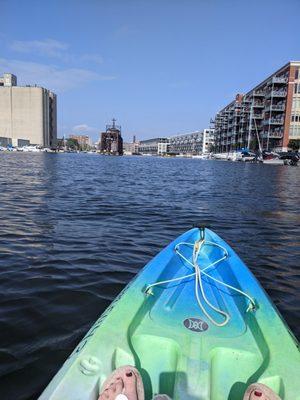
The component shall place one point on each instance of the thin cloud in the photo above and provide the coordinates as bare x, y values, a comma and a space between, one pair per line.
51, 76
84, 128
95, 58
51, 48
47, 47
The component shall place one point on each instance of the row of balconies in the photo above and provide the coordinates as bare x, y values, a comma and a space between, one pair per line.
274, 132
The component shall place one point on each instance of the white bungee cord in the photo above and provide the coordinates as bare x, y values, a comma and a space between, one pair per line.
197, 246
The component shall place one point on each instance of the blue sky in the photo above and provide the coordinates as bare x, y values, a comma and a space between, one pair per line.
161, 67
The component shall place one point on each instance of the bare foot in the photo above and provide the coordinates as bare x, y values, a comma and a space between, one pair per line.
258, 391
123, 384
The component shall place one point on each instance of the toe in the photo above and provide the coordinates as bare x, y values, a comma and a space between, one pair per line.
130, 384
113, 390
119, 386
104, 395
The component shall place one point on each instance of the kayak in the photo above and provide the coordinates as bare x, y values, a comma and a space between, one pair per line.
195, 323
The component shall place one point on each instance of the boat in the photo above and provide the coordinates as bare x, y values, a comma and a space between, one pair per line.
197, 325
30, 149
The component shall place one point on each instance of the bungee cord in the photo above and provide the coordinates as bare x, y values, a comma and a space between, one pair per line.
198, 272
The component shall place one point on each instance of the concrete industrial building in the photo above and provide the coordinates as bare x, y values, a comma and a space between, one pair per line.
27, 114
111, 140
193, 143
267, 116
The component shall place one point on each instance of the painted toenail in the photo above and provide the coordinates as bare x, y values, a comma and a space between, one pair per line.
128, 374
257, 393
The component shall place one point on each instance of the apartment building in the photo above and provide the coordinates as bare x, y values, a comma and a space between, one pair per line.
266, 117
193, 143
27, 114
156, 146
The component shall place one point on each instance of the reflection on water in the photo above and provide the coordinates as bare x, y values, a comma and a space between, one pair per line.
75, 228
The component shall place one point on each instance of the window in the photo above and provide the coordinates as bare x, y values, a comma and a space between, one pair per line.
294, 131
297, 73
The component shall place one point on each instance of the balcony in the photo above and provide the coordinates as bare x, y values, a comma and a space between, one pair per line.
258, 104
275, 107
259, 93
273, 121
273, 135
276, 121
277, 93
279, 79
257, 116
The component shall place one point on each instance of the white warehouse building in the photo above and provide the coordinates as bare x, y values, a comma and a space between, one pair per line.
27, 114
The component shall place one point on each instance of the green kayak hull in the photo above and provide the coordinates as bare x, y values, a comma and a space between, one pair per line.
173, 344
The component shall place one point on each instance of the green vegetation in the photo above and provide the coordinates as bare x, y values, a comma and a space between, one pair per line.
294, 144
72, 144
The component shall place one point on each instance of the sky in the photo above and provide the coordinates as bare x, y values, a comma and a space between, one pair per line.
160, 67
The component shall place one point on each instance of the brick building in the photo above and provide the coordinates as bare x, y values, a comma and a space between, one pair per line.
268, 115
84, 141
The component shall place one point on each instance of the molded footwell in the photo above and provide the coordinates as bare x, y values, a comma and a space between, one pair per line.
231, 365
151, 352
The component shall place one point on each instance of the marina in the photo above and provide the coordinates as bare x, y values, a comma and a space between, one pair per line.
149, 202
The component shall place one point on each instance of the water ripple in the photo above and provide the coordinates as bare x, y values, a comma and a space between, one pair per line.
76, 228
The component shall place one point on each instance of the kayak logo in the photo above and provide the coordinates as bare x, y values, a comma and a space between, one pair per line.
195, 324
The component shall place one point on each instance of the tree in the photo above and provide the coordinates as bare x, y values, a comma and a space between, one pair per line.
73, 144
294, 144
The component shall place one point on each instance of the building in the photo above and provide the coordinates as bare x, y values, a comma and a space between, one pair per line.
8, 80
156, 146
130, 148
84, 141
193, 143
208, 140
266, 117
111, 140
27, 114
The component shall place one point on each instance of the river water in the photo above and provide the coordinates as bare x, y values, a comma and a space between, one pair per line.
75, 228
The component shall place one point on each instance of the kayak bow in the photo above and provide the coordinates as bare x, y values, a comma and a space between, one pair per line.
197, 325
